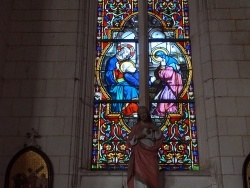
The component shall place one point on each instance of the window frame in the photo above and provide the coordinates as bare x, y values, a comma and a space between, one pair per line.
89, 56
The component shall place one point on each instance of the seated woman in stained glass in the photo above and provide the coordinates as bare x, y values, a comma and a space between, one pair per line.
122, 80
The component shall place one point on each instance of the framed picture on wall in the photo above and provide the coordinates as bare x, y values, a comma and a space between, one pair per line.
30, 167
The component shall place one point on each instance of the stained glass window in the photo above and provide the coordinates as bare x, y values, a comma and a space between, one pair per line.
170, 84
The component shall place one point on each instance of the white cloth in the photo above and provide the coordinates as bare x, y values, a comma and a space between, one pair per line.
138, 184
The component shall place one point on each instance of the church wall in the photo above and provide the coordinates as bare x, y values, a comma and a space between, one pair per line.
42, 50
5, 14
5, 9
224, 38
227, 89
40, 81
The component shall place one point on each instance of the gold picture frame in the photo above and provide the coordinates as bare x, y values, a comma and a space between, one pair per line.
31, 168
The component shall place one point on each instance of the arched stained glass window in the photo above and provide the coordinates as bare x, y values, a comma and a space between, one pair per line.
169, 82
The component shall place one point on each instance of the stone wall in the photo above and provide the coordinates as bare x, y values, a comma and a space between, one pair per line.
226, 88
46, 47
5, 23
5, 14
40, 87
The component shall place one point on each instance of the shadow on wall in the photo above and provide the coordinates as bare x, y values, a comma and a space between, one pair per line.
30, 33
246, 172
